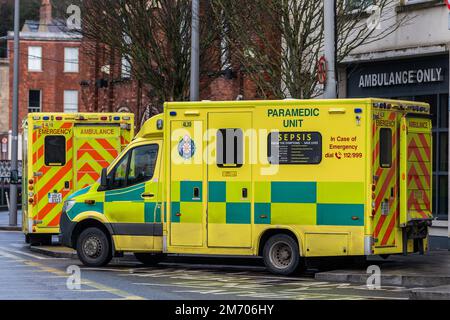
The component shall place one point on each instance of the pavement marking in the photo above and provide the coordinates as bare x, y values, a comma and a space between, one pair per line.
27, 254
19, 245
244, 284
10, 256
123, 294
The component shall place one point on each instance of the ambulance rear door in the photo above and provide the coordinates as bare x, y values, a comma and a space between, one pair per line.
385, 178
416, 169
96, 146
52, 168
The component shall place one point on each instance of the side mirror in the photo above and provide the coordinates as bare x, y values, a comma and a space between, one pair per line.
104, 181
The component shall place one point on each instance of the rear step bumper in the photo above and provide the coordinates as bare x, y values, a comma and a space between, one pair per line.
416, 230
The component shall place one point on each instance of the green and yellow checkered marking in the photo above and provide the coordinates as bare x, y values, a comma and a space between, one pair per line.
279, 203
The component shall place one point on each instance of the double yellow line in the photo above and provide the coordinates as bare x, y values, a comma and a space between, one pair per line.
117, 292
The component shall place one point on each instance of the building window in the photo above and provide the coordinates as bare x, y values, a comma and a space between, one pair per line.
34, 58
70, 101
34, 101
357, 5
126, 68
71, 60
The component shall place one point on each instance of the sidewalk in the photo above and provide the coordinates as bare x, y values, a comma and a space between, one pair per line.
431, 272
4, 221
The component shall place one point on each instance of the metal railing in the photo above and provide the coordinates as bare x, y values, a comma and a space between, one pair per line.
5, 179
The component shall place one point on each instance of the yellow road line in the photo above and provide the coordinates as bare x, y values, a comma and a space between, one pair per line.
123, 294
42, 268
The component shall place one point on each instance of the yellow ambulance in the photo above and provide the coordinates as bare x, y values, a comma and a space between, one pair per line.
285, 180
63, 153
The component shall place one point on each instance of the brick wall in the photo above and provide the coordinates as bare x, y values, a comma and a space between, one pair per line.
52, 81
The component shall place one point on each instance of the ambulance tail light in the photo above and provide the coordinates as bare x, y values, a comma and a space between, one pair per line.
30, 200
59, 118
104, 118
31, 181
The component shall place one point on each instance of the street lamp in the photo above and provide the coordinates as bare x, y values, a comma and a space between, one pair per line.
329, 8
195, 51
15, 122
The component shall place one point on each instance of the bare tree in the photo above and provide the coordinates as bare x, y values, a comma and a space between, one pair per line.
154, 36
279, 42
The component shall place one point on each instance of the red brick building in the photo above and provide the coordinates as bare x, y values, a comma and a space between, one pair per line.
60, 72
50, 66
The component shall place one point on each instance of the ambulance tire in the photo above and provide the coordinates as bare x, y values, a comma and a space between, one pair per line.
149, 259
282, 256
94, 248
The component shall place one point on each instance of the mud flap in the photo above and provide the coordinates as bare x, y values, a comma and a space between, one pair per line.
417, 231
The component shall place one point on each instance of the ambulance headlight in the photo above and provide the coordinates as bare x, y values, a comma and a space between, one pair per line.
68, 205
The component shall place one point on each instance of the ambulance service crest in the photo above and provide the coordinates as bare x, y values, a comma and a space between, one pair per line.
186, 148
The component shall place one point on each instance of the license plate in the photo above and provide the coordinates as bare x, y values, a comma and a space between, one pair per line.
54, 197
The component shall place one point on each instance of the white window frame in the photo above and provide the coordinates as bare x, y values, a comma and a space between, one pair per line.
415, 1
35, 58
71, 63
126, 68
40, 101
69, 105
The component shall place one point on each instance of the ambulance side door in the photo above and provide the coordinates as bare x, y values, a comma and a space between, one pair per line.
131, 201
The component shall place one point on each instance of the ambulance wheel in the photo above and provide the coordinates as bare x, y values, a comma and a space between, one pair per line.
149, 259
282, 256
94, 248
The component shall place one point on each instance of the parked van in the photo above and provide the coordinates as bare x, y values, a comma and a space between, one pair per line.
285, 180
63, 153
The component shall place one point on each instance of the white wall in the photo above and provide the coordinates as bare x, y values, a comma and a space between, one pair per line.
423, 27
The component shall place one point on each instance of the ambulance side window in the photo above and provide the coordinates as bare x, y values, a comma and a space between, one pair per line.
142, 164
385, 148
120, 174
55, 151
230, 148
137, 166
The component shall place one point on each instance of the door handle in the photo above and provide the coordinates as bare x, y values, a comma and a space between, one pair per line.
147, 195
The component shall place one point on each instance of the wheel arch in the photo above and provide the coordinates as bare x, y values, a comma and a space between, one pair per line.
267, 234
91, 223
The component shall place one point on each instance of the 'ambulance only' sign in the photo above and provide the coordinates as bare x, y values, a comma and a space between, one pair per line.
401, 78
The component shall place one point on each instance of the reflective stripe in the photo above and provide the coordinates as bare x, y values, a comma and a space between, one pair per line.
137, 229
